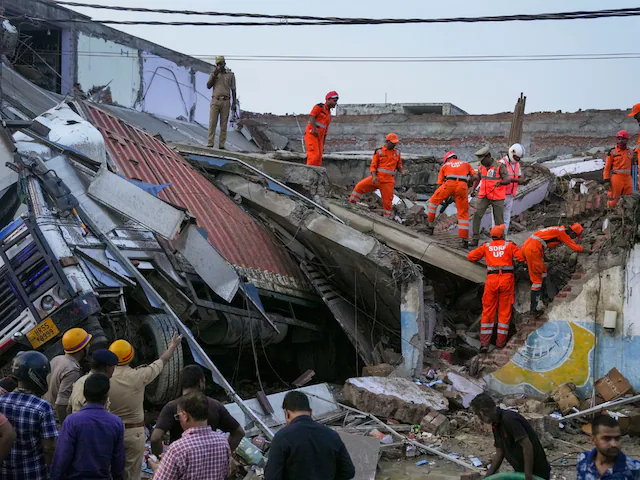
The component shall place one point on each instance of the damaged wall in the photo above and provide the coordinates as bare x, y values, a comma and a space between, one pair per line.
569, 347
103, 63
544, 133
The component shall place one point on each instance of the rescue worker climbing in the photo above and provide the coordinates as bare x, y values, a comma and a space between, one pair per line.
317, 128
491, 191
386, 161
454, 180
499, 287
533, 250
617, 170
512, 162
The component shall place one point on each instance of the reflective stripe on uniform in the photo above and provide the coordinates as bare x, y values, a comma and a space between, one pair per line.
463, 227
432, 207
355, 194
620, 171
544, 244
493, 269
388, 212
384, 170
457, 177
321, 125
536, 286
485, 331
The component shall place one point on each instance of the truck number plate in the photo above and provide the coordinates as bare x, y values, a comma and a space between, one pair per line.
42, 333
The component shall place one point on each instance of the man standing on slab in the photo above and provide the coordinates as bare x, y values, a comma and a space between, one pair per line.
223, 98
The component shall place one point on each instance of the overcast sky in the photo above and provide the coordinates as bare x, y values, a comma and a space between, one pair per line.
287, 87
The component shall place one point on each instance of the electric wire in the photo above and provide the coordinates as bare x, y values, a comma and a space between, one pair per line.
300, 20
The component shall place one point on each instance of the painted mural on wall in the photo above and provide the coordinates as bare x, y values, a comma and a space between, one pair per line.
558, 352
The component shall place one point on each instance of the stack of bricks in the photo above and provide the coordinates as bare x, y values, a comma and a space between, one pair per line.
579, 204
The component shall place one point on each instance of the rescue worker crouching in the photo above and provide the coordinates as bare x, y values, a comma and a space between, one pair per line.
318, 127
454, 180
491, 192
533, 250
499, 288
386, 161
617, 170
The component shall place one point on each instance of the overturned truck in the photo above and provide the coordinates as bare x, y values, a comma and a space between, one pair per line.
87, 247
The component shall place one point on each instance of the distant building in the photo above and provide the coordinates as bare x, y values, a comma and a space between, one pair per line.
59, 49
403, 108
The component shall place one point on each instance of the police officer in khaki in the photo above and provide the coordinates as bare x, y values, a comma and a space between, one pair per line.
103, 361
223, 81
66, 370
127, 396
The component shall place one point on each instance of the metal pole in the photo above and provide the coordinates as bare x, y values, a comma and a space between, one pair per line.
186, 333
602, 406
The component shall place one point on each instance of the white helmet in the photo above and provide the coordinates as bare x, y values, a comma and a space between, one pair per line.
516, 150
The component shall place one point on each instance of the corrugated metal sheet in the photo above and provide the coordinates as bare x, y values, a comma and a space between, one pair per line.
231, 230
30, 99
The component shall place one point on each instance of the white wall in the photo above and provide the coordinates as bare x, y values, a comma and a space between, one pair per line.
102, 61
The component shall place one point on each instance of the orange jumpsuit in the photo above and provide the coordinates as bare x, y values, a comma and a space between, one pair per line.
385, 163
617, 169
499, 287
453, 179
315, 145
534, 247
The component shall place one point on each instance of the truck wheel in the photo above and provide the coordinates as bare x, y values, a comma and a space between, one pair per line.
152, 341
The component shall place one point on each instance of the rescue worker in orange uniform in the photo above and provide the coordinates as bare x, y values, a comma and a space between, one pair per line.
454, 180
386, 161
635, 113
317, 128
617, 170
491, 191
499, 287
533, 250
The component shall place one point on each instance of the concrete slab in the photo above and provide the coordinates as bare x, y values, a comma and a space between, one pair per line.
418, 246
393, 397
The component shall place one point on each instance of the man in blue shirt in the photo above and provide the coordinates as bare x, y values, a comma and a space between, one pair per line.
606, 461
91, 443
32, 418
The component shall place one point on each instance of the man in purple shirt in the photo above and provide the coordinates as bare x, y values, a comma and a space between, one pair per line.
91, 443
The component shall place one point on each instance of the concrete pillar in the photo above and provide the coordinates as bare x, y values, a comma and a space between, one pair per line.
412, 324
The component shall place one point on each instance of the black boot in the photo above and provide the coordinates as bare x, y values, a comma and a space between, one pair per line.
464, 243
534, 301
473, 242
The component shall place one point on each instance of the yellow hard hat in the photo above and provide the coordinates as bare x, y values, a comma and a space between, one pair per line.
75, 340
123, 350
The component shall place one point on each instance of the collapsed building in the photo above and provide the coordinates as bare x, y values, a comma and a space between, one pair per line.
262, 260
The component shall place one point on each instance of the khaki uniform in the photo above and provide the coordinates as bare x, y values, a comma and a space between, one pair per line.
222, 85
77, 400
127, 396
65, 371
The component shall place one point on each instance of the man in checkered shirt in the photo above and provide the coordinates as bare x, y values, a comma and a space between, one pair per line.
32, 418
201, 453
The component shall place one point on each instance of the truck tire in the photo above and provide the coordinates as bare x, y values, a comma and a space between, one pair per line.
152, 341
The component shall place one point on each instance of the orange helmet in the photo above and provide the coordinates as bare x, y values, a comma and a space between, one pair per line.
392, 137
448, 155
635, 111
123, 350
497, 231
75, 340
577, 228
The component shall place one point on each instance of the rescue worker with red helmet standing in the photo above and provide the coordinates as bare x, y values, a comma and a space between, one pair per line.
617, 170
317, 128
454, 180
386, 161
533, 250
66, 370
499, 287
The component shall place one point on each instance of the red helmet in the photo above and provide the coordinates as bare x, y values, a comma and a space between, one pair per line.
577, 228
497, 231
331, 94
623, 134
448, 155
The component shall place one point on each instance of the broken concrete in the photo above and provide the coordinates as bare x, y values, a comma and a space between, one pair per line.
393, 397
418, 246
